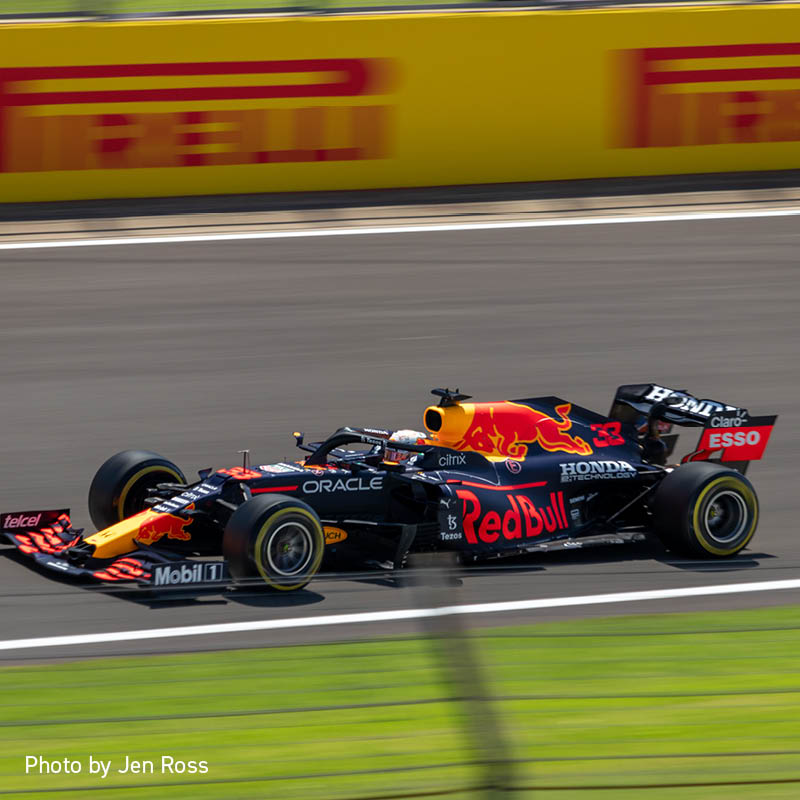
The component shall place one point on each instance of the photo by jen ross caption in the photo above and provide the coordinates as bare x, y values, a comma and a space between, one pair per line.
165, 765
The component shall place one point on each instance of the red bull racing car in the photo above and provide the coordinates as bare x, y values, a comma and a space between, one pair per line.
485, 479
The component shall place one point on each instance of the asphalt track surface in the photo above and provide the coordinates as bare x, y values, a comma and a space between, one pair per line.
198, 350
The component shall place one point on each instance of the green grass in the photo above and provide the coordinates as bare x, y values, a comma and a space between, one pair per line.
632, 701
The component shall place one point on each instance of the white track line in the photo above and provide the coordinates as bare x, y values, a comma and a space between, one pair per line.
393, 616
394, 229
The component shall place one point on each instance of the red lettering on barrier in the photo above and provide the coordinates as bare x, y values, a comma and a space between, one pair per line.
324, 131
114, 144
660, 112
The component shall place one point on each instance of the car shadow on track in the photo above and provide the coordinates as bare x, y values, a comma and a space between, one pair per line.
646, 554
735, 564
650, 552
172, 596
200, 598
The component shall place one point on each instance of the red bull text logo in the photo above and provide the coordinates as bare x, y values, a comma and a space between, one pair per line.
718, 94
123, 116
522, 519
506, 429
156, 526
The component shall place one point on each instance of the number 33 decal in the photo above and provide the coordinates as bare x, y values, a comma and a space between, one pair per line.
607, 434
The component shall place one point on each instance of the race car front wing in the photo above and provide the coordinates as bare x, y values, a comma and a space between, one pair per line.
49, 539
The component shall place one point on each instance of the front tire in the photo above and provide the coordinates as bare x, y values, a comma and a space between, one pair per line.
705, 510
119, 487
278, 539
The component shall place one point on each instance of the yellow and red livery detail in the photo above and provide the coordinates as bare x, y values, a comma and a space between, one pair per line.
160, 525
146, 527
503, 429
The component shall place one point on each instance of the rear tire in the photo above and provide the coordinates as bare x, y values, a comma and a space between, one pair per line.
119, 487
278, 539
705, 510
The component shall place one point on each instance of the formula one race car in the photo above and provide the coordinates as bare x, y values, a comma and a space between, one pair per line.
487, 479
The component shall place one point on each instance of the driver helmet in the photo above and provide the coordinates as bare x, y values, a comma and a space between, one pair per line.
394, 447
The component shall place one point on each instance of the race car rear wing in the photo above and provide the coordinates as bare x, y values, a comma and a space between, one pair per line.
730, 435
671, 405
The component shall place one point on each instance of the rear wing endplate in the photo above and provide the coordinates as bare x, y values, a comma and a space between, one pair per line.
733, 438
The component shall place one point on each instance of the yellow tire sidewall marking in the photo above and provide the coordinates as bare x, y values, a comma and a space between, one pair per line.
264, 531
137, 476
750, 500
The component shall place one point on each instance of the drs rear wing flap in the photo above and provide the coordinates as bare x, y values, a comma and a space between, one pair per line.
671, 405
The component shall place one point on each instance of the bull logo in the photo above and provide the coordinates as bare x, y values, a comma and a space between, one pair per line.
155, 526
507, 429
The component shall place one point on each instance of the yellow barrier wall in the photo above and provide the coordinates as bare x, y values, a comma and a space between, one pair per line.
291, 104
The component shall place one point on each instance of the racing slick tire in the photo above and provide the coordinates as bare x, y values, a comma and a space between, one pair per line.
277, 538
119, 487
705, 510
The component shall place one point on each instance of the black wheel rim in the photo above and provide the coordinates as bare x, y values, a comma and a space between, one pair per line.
290, 549
726, 517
